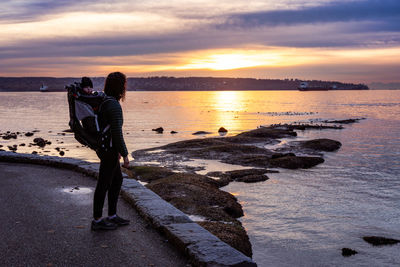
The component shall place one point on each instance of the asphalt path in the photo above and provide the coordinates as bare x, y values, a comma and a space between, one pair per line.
45, 216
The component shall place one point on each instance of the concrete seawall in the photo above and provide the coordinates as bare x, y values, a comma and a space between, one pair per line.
202, 248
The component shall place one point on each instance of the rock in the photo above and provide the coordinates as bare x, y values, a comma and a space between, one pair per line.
268, 132
245, 175
294, 162
200, 132
159, 130
216, 174
380, 241
306, 126
233, 234
236, 174
12, 148
280, 155
347, 121
220, 177
34, 152
68, 131
39, 142
223, 181
254, 178
249, 140
147, 173
215, 148
246, 149
9, 136
173, 132
28, 134
347, 252
62, 153
261, 161
230, 149
193, 144
198, 195
1, 145
222, 130
322, 144
23, 144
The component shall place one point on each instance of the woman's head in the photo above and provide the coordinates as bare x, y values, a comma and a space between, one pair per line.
115, 85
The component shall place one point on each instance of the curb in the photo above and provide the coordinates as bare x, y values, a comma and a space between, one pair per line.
202, 247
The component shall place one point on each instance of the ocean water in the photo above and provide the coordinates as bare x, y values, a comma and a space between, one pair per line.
297, 217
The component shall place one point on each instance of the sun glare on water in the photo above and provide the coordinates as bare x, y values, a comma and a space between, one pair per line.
227, 107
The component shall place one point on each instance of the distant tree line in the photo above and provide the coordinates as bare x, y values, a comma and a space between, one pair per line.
174, 84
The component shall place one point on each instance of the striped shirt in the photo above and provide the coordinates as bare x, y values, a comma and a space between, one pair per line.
111, 113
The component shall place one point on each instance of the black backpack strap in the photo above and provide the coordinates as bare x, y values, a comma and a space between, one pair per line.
106, 99
105, 135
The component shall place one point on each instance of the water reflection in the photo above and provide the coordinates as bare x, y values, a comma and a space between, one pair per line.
78, 190
228, 100
228, 106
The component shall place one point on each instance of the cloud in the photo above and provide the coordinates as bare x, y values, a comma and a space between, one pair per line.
386, 12
59, 37
33, 10
36, 10
345, 24
334, 35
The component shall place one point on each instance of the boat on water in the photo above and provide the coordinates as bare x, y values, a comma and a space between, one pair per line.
305, 87
44, 88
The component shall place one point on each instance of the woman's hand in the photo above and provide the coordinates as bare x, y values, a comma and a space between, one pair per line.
126, 162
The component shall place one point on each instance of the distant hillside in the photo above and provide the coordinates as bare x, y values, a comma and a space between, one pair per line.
385, 86
173, 84
34, 83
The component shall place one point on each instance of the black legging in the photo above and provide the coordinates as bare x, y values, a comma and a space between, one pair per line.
110, 179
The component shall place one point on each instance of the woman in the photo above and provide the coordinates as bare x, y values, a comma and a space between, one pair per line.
110, 176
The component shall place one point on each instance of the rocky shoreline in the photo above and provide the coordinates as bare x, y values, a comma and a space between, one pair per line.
200, 196
245, 149
38, 145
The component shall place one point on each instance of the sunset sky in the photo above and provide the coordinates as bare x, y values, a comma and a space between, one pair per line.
345, 40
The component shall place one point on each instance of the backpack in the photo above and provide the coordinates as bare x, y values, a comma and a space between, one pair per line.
83, 117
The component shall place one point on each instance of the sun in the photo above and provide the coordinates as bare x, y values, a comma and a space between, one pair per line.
230, 60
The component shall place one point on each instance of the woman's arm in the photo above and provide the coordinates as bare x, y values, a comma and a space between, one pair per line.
115, 118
